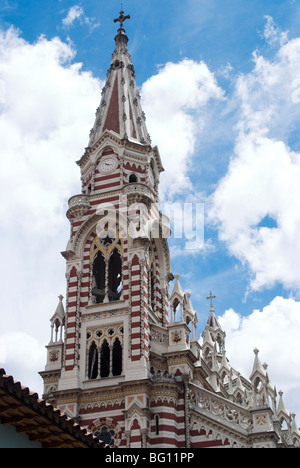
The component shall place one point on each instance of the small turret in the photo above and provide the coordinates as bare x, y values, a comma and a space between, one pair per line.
55, 350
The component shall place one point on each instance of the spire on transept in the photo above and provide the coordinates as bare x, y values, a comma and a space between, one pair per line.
213, 326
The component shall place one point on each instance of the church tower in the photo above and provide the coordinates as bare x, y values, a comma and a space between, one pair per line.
118, 273
124, 358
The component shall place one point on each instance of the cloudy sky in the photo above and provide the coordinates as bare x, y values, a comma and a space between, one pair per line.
220, 83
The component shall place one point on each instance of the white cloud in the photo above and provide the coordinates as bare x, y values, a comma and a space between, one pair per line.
263, 176
273, 34
2, 92
275, 331
76, 12
175, 100
26, 357
44, 126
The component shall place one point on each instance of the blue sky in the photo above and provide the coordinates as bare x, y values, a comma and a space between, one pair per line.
228, 137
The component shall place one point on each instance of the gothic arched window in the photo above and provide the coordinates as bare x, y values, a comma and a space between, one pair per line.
104, 359
117, 358
93, 361
99, 278
115, 276
106, 272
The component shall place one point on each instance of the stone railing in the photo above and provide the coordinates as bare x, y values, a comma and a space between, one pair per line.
138, 193
78, 205
219, 408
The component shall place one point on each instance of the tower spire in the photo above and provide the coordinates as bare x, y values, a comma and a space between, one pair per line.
120, 108
213, 327
211, 297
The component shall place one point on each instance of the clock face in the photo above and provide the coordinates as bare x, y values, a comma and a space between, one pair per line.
108, 164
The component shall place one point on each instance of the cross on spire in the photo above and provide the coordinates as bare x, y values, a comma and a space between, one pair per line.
121, 19
211, 297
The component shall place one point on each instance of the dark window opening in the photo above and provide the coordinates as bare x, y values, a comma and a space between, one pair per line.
93, 361
115, 276
133, 178
99, 276
174, 306
117, 358
157, 424
104, 360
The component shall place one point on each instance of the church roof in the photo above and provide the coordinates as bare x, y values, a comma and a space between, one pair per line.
60, 311
212, 320
177, 290
39, 420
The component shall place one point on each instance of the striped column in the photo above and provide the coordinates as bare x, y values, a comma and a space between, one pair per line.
135, 309
70, 343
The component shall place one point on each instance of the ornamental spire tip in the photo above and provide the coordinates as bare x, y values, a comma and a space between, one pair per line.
121, 20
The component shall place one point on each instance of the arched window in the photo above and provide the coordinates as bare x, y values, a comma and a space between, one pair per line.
105, 359
57, 326
174, 306
115, 276
133, 178
93, 361
99, 278
117, 358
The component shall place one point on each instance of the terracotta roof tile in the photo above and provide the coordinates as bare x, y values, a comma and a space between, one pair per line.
40, 420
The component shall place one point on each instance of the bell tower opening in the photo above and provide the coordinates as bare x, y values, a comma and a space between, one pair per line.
114, 276
99, 278
106, 265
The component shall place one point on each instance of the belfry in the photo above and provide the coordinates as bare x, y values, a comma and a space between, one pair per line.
124, 357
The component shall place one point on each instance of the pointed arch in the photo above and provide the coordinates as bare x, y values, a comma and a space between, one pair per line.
93, 361
105, 359
117, 364
99, 268
114, 276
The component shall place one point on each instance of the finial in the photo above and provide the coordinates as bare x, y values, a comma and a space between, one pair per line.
211, 297
121, 19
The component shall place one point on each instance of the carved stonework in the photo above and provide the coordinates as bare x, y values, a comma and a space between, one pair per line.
176, 336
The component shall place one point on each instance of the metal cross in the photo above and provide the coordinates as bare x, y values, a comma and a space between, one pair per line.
211, 297
121, 19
